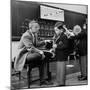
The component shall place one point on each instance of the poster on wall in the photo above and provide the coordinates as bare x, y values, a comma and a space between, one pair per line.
51, 13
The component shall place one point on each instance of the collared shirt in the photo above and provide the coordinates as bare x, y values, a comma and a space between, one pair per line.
34, 37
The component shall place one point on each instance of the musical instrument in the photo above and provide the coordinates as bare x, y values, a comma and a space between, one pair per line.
49, 47
67, 32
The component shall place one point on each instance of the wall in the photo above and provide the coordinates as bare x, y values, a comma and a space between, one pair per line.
72, 19
23, 10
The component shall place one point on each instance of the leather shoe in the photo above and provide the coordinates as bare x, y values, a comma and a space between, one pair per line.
58, 85
82, 78
46, 83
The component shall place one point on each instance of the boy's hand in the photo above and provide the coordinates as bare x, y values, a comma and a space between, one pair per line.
55, 46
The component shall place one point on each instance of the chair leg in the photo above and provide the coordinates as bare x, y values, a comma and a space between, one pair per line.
29, 75
68, 59
40, 73
75, 58
48, 71
19, 76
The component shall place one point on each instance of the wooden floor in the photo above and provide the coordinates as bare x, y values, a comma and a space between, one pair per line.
71, 77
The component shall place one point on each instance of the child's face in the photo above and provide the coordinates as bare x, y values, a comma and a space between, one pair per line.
35, 27
57, 31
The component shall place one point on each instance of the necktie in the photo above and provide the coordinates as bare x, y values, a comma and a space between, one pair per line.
56, 38
35, 39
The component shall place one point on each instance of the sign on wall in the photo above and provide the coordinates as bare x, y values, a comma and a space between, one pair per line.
51, 13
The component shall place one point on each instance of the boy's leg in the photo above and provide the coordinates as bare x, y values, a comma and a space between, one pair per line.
61, 72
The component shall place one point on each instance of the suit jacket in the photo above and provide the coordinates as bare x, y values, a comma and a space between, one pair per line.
62, 47
82, 45
26, 42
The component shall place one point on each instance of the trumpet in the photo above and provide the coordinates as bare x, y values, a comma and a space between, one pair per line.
76, 30
67, 32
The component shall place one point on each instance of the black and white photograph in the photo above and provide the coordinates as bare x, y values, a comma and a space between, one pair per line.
48, 44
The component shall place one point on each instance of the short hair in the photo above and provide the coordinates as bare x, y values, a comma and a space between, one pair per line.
59, 25
31, 23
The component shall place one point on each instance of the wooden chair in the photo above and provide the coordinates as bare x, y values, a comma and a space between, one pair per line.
72, 54
29, 66
13, 72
